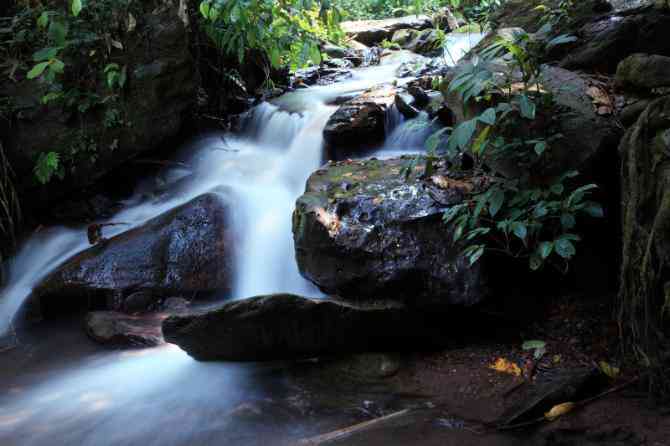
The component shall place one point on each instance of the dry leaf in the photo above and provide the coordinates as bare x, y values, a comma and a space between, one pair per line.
502, 365
448, 183
559, 410
329, 220
601, 100
348, 174
609, 370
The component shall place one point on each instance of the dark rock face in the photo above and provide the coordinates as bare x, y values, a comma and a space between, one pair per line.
525, 13
121, 330
184, 251
161, 87
285, 326
583, 114
359, 122
373, 32
645, 171
604, 43
362, 231
644, 71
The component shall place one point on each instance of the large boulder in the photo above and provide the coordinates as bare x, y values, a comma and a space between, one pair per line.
605, 42
644, 71
426, 42
148, 111
528, 14
362, 230
185, 251
373, 32
285, 326
359, 122
582, 111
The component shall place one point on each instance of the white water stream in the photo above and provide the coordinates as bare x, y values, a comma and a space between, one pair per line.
161, 396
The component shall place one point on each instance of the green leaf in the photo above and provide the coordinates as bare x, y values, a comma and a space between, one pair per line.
488, 117
477, 232
527, 107
476, 255
560, 40
433, 140
45, 54
520, 230
57, 66
557, 189
564, 248
46, 166
540, 210
479, 144
540, 147
58, 33
535, 262
496, 201
43, 20
76, 7
544, 249
37, 70
578, 194
452, 213
593, 209
204, 9
539, 348
462, 135
568, 221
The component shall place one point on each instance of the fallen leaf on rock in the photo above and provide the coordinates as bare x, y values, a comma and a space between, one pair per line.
329, 220
601, 100
609, 370
449, 183
502, 365
559, 410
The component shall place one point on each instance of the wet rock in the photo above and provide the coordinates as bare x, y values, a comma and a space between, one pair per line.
404, 102
334, 51
582, 112
121, 330
362, 230
606, 42
139, 302
419, 94
359, 122
644, 71
285, 326
321, 75
373, 32
445, 20
426, 42
174, 305
631, 111
183, 251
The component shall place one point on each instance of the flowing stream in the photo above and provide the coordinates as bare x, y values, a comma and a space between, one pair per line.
67, 391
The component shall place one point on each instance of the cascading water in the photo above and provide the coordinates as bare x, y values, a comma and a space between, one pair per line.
161, 396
